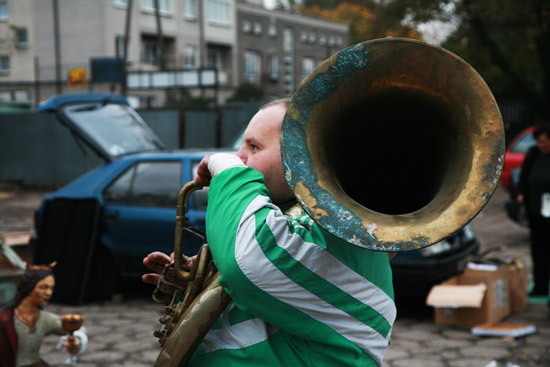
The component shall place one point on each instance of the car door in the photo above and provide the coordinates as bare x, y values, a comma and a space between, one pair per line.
139, 212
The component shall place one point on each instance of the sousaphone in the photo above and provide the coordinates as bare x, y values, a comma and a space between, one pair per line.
391, 145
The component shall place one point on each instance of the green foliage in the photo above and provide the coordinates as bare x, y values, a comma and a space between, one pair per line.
506, 41
247, 92
367, 19
174, 99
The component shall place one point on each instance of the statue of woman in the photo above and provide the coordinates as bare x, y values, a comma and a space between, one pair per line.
24, 323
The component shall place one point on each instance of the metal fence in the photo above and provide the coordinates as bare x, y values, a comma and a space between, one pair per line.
36, 150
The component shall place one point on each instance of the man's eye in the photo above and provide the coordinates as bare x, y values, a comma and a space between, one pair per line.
254, 147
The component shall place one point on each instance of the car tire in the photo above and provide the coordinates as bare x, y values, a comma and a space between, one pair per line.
104, 276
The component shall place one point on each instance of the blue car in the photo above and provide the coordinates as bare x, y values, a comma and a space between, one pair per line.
99, 227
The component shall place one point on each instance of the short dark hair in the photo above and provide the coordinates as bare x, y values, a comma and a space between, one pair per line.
542, 128
278, 102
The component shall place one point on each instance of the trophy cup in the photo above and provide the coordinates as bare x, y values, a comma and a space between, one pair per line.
70, 323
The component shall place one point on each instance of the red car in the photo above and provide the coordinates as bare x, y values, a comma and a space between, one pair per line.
515, 154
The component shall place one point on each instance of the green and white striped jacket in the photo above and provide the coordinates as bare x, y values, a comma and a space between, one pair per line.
301, 297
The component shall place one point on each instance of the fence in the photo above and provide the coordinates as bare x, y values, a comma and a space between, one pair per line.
36, 150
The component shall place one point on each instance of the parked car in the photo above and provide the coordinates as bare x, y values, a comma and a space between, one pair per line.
515, 154
415, 272
100, 226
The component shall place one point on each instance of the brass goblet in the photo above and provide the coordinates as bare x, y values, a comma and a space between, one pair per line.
70, 323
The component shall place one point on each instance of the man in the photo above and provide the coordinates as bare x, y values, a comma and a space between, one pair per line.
301, 297
534, 193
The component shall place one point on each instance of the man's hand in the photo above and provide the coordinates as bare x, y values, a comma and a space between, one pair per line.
203, 173
157, 261
212, 165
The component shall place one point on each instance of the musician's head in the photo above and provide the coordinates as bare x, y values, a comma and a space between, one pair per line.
542, 137
261, 148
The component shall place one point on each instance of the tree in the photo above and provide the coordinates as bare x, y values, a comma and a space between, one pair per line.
506, 41
366, 19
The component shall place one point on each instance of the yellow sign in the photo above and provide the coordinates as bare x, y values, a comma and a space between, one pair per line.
77, 77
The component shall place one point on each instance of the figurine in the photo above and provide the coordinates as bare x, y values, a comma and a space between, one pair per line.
24, 323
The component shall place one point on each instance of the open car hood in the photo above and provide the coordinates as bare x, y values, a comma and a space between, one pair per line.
106, 123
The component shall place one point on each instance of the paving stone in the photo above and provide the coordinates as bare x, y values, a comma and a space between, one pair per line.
413, 362
484, 352
469, 362
395, 353
103, 357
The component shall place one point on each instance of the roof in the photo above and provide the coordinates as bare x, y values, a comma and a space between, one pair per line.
55, 102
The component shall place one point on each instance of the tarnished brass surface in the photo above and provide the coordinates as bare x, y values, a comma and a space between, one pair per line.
193, 297
393, 144
193, 325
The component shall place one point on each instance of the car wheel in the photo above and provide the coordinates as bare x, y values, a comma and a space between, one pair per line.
104, 275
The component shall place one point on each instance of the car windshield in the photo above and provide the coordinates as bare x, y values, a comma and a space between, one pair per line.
523, 145
238, 142
115, 128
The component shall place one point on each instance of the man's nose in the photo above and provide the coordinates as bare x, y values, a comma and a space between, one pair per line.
241, 155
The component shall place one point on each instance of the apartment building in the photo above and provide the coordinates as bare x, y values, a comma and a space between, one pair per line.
49, 47
278, 49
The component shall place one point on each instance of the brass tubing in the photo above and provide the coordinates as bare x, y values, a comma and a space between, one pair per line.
181, 210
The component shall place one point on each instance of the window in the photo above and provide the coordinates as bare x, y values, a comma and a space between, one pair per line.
217, 11
199, 197
5, 96
4, 64
123, 3
246, 26
272, 30
308, 64
322, 39
252, 66
191, 57
150, 52
21, 37
3, 10
190, 9
119, 46
213, 58
312, 37
164, 5
147, 184
257, 28
273, 67
288, 47
523, 145
303, 36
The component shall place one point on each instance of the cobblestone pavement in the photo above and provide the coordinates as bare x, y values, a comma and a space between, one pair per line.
121, 332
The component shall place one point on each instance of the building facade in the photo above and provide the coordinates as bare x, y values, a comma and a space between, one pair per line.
49, 47
277, 49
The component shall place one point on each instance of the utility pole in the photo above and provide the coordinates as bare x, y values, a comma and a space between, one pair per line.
162, 65
57, 47
126, 42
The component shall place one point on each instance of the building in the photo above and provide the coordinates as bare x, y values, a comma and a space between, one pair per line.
62, 46
279, 49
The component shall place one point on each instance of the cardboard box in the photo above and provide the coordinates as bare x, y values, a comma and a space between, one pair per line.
471, 298
518, 281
